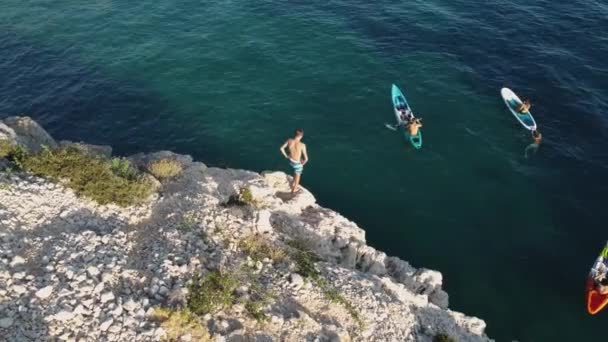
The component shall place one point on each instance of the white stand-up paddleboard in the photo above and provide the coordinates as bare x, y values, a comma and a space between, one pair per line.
513, 102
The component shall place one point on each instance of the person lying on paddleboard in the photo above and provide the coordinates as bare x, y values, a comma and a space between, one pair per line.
524, 107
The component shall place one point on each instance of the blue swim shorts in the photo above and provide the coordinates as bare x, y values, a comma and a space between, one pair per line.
296, 166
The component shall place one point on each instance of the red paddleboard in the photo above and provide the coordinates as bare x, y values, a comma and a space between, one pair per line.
595, 300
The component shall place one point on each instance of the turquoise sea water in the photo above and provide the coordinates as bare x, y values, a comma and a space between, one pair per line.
228, 81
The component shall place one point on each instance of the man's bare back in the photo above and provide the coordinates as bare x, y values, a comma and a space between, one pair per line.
295, 149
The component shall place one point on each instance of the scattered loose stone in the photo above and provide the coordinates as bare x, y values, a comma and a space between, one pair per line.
106, 324
106, 297
19, 289
17, 260
44, 292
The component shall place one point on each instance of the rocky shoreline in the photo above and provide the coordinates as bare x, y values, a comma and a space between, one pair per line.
74, 270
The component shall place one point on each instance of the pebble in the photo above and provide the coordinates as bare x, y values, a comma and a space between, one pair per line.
6, 322
44, 292
116, 328
92, 271
106, 297
118, 311
296, 280
130, 305
106, 324
19, 275
99, 288
64, 316
17, 260
19, 289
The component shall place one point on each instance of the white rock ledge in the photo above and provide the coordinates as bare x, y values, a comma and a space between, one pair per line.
73, 270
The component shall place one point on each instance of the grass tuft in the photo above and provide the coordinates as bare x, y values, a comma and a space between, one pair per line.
243, 198
259, 249
165, 168
211, 293
188, 223
305, 259
177, 323
87, 175
6, 147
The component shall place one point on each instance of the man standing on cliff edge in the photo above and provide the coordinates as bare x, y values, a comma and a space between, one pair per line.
297, 150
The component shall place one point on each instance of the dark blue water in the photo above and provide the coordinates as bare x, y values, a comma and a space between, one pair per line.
228, 81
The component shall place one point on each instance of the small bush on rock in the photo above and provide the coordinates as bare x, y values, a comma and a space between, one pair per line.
305, 259
211, 293
87, 175
254, 308
259, 249
443, 338
165, 168
188, 223
6, 147
244, 197
18, 155
178, 323
122, 168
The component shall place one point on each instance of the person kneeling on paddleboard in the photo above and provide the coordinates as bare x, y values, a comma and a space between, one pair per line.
414, 126
524, 107
599, 276
602, 286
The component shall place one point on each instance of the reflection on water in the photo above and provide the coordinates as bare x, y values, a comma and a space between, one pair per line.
531, 150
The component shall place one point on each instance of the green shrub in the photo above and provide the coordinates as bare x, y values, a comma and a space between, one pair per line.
305, 259
6, 147
188, 223
443, 338
211, 293
259, 295
87, 175
177, 323
254, 308
18, 155
165, 168
15, 153
122, 168
244, 197
259, 249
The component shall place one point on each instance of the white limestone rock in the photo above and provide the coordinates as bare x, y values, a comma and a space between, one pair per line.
110, 267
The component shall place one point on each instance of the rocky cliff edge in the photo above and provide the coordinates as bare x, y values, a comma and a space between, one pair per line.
74, 270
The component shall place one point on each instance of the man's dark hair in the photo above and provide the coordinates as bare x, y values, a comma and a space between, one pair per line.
299, 131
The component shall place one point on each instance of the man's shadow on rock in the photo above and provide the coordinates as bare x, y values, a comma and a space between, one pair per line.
285, 196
